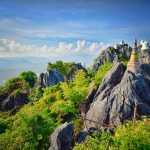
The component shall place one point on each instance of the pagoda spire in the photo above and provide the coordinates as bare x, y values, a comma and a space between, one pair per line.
133, 64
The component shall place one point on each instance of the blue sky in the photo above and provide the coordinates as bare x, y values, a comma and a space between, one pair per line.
28, 25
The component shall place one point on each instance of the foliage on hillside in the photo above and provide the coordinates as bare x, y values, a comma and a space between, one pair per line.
22, 82
30, 77
102, 72
61, 66
13, 87
129, 136
31, 126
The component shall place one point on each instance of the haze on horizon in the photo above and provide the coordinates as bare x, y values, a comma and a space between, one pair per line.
66, 30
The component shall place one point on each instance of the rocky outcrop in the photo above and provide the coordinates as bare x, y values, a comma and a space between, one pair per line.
50, 78
13, 101
120, 97
62, 137
112, 54
54, 76
73, 69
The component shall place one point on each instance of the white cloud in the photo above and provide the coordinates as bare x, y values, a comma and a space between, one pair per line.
80, 49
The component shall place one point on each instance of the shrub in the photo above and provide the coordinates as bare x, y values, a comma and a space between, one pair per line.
102, 71
130, 136
36, 94
30, 77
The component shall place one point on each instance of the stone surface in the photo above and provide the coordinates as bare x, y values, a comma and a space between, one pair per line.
54, 76
85, 105
120, 97
50, 78
62, 137
81, 136
111, 55
9, 102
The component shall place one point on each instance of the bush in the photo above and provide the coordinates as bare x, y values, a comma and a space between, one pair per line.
30, 77
130, 136
36, 94
102, 71
28, 131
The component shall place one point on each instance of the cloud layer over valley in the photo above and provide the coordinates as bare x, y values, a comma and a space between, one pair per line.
68, 51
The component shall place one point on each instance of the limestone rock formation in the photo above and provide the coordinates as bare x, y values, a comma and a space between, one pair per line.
112, 54
50, 78
55, 76
13, 101
73, 69
62, 137
122, 95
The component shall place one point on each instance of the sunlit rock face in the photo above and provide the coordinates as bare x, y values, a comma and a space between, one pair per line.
122, 96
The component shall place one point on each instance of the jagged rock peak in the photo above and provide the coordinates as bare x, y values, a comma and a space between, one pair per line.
112, 54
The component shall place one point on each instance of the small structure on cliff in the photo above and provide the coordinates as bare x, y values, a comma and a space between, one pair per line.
145, 52
144, 45
133, 63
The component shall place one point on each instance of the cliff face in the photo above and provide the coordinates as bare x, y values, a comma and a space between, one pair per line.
122, 95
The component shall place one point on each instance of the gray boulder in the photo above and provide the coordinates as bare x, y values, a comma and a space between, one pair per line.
120, 97
62, 137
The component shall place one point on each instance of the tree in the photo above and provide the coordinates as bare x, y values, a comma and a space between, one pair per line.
30, 77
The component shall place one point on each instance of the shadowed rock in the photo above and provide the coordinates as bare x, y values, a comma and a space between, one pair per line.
50, 78
62, 137
11, 101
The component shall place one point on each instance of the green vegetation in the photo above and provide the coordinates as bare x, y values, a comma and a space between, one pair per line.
13, 87
102, 72
36, 94
63, 67
130, 136
31, 126
30, 77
